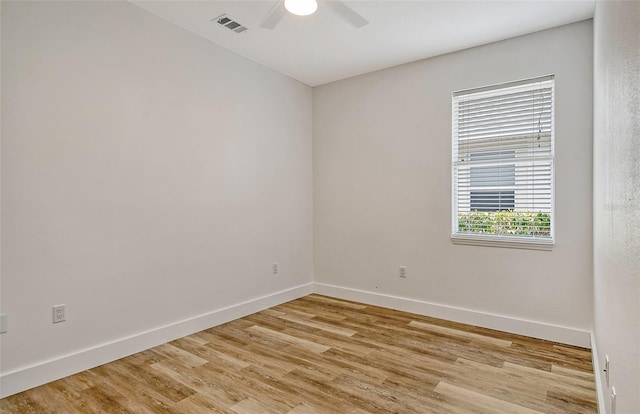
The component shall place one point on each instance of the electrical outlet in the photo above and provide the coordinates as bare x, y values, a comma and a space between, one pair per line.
613, 400
3, 323
402, 271
59, 313
274, 269
607, 369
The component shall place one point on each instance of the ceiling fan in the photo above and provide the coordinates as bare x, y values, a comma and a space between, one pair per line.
307, 7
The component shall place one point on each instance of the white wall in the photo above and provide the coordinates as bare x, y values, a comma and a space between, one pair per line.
148, 177
617, 199
382, 184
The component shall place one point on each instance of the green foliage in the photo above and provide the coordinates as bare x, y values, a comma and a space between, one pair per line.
505, 222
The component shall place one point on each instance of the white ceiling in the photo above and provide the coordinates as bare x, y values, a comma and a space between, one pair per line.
322, 48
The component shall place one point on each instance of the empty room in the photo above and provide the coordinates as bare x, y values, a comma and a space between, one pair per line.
301, 206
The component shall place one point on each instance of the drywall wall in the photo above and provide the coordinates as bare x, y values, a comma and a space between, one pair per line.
148, 177
616, 200
382, 184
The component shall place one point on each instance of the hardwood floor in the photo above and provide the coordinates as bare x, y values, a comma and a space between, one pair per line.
323, 355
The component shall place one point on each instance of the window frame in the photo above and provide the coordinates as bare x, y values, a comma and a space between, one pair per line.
501, 240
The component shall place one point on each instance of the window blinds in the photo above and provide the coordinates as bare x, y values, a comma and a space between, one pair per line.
503, 159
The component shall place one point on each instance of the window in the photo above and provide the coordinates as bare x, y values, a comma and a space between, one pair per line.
503, 164
492, 187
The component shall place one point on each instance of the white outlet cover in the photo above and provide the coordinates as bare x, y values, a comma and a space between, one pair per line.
613, 400
59, 313
3, 323
607, 369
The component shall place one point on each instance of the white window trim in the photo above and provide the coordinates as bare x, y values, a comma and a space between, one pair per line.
492, 240
513, 242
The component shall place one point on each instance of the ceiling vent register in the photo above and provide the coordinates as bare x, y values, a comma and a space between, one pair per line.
230, 23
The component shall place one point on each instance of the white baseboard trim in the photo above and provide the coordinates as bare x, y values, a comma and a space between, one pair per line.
43, 372
600, 382
533, 329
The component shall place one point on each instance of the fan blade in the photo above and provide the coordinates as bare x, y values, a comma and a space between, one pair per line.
346, 13
276, 14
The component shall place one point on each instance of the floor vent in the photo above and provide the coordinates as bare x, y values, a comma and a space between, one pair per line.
230, 23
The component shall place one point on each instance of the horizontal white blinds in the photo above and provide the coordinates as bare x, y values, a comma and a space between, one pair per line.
503, 159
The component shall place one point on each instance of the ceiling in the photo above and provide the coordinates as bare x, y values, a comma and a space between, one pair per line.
322, 48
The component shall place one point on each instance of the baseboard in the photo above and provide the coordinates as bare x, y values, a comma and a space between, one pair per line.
43, 372
533, 329
600, 382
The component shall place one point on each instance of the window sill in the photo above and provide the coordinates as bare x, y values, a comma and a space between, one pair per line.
497, 241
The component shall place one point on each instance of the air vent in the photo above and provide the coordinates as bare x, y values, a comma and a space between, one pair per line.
230, 23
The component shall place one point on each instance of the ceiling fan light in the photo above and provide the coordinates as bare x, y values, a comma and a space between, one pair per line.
301, 7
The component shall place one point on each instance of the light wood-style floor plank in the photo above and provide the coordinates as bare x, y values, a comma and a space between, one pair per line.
481, 401
324, 355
